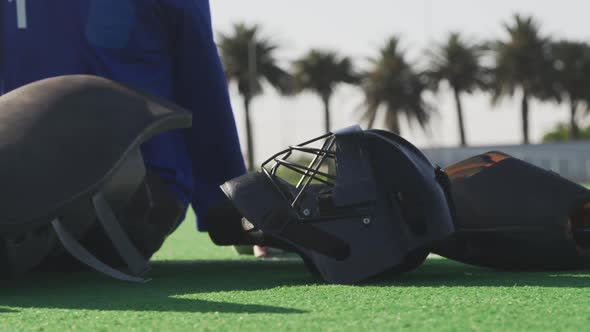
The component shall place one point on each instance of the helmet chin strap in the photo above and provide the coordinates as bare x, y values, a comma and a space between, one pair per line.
226, 226
136, 263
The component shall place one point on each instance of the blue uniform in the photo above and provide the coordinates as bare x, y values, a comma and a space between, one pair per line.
164, 47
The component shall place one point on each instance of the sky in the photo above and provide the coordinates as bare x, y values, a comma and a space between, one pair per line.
358, 29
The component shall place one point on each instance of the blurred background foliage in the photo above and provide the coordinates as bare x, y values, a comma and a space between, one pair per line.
524, 62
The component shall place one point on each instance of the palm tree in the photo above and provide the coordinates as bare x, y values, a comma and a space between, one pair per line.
457, 62
572, 67
523, 61
249, 60
392, 83
320, 72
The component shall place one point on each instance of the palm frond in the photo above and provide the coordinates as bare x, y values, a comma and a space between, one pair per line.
236, 50
392, 84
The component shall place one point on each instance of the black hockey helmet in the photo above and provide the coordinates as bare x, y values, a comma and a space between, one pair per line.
367, 202
70, 158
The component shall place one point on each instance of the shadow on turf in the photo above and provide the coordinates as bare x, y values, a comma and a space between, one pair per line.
173, 280
446, 273
165, 293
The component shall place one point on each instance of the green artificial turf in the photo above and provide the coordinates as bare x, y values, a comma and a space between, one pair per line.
197, 286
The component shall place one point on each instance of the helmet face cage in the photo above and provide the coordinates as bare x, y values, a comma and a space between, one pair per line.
339, 210
320, 170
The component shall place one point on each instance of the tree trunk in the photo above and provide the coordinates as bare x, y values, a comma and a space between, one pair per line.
575, 130
394, 124
371, 120
525, 117
460, 116
326, 100
249, 140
